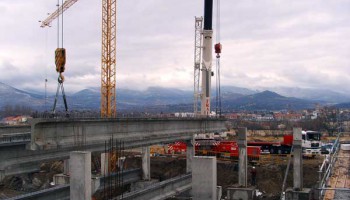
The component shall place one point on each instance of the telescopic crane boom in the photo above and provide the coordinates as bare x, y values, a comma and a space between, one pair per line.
207, 57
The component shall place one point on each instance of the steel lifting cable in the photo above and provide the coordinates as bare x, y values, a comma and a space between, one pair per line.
218, 51
58, 25
62, 24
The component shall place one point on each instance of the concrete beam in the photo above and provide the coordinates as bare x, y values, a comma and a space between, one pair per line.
134, 133
57, 193
23, 161
297, 160
161, 190
62, 133
242, 162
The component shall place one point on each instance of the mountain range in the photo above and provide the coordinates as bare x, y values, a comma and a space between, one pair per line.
159, 99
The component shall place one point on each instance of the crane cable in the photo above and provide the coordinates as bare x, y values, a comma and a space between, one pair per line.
58, 25
62, 24
218, 51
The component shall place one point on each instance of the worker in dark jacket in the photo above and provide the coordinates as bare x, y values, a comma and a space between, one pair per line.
253, 175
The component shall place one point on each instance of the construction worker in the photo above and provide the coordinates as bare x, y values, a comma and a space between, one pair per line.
253, 175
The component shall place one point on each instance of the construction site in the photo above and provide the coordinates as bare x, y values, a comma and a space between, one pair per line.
153, 158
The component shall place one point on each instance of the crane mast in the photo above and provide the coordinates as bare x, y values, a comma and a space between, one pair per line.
108, 59
197, 63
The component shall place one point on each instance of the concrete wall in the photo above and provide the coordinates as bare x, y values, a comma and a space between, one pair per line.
52, 134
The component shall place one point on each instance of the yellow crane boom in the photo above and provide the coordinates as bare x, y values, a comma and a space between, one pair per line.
57, 13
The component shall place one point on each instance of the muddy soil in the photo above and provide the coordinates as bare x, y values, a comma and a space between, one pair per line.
269, 176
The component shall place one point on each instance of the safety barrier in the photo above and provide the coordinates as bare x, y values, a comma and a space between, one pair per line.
327, 166
15, 138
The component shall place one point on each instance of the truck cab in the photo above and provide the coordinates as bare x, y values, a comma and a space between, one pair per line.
311, 143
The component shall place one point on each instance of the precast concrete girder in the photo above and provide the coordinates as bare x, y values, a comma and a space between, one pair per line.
63, 133
161, 190
48, 133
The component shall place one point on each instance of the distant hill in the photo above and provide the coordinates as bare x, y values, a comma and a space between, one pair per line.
12, 96
321, 95
343, 105
157, 99
266, 100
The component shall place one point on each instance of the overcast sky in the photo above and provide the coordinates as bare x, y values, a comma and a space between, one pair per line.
266, 43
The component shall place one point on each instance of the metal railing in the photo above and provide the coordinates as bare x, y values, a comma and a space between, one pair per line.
325, 170
15, 138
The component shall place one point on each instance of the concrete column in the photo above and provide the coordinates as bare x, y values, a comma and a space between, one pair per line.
204, 178
66, 167
190, 152
80, 176
242, 161
146, 163
297, 160
104, 164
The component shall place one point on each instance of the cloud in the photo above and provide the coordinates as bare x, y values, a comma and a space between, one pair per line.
265, 44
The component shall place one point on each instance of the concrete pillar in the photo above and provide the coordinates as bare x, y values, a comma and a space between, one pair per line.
297, 160
204, 178
146, 163
80, 176
190, 152
104, 164
242, 161
66, 167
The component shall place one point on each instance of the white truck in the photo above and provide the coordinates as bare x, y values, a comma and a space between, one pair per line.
311, 143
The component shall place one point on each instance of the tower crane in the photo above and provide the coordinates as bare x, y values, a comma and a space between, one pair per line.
60, 10
108, 58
